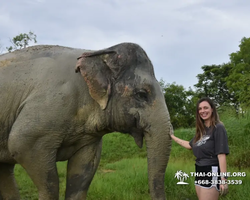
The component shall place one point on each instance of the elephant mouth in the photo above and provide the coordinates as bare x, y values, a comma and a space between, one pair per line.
138, 137
137, 131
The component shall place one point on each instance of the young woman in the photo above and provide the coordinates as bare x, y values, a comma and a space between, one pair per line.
210, 147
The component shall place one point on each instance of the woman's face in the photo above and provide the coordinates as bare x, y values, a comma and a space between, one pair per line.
205, 110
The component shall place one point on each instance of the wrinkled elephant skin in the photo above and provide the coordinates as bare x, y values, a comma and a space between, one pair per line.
57, 102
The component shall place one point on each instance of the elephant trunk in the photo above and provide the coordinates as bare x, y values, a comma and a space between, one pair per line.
158, 143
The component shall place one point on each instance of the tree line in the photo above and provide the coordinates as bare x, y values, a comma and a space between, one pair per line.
227, 84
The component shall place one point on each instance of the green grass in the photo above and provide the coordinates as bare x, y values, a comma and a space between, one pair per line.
127, 180
238, 130
117, 146
122, 174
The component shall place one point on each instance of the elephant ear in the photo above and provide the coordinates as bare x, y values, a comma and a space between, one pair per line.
101, 67
98, 69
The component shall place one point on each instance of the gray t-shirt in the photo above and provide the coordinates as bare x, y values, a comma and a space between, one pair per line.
214, 142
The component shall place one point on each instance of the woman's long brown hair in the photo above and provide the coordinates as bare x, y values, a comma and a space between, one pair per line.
200, 127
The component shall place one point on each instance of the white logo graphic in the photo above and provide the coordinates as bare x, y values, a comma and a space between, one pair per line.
203, 140
181, 176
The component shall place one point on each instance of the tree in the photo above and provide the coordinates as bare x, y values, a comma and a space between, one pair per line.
22, 41
212, 83
181, 105
239, 77
228, 84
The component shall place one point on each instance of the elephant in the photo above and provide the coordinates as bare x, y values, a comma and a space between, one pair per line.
58, 102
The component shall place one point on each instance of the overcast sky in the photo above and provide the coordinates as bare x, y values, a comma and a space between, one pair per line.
179, 36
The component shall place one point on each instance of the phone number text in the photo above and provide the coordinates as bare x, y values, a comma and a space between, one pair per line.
215, 182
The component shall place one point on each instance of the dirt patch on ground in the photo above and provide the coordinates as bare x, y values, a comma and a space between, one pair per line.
107, 170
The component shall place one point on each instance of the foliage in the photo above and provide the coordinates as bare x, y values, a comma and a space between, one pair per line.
212, 83
238, 131
228, 83
22, 41
239, 78
181, 104
113, 142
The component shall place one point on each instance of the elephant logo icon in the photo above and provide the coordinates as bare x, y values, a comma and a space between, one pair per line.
181, 176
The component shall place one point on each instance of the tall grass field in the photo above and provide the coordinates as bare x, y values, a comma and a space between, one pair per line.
122, 174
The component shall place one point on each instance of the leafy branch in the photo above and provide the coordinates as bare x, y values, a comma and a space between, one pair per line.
22, 41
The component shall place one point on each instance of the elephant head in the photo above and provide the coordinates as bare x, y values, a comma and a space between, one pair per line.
121, 80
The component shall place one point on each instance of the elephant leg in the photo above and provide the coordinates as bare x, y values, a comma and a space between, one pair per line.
8, 186
41, 168
36, 153
81, 170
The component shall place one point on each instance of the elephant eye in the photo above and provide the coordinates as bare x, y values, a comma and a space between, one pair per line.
141, 95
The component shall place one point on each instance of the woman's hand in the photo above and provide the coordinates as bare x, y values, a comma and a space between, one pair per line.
223, 189
223, 168
181, 142
171, 132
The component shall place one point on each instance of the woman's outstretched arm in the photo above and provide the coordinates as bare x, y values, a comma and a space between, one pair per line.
179, 141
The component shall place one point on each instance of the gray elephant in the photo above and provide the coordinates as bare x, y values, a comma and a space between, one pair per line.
50, 113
